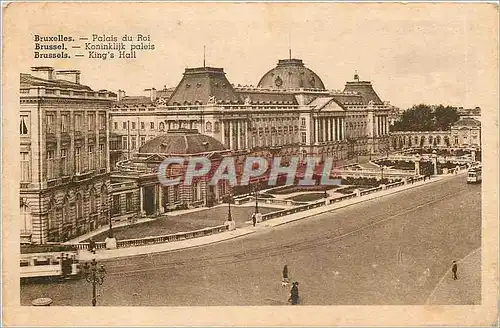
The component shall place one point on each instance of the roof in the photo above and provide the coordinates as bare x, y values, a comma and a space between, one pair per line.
291, 74
135, 100
28, 80
182, 142
349, 99
467, 122
322, 102
202, 85
256, 96
365, 89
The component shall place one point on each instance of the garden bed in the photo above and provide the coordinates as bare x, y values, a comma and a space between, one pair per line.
309, 197
294, 188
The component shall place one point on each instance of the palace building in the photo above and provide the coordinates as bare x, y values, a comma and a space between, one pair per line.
290, 112
64, 138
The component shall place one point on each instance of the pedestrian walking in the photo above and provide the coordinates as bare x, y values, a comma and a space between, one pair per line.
254, 219
285, 273
454, 270
92, 245
294, 293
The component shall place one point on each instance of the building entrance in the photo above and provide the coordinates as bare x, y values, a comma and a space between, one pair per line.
149, 200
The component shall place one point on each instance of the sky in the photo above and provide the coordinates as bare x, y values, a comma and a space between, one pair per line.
419, 53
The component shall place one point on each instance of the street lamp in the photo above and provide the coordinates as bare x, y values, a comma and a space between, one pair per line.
256, 198
229, 199
94, 276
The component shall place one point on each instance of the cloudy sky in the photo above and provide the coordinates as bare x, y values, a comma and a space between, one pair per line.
426, 53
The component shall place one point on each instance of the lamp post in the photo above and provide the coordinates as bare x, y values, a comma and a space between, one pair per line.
229, 200
94, 276
256, 198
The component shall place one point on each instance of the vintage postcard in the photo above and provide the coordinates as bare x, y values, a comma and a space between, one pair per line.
250, 164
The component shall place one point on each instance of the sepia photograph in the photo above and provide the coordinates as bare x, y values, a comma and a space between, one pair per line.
264, 164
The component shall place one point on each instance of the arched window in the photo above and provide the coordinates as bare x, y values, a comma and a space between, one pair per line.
430, 140
104, 199
79, 206
65, 211
208, 127
216, 127
416, 140
92, 197
26, 218
162, 126
438, 140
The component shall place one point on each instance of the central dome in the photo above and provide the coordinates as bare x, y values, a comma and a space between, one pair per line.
182, 142
291, 74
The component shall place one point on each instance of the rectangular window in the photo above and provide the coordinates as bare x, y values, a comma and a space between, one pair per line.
91, 157
143, 140
133, 142
177, 194
143, 126
124, 125
124, 142
133, 125
303, 122
303, 137
25, 167
50, 165
116, 125
78, 167
152, 125
91, 122
50, 123
64, 123
102, 156
128, 202
64, 162
78, 122
116, 204
24, 125
102, 121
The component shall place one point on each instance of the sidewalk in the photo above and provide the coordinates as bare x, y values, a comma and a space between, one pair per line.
200, 241
464, 291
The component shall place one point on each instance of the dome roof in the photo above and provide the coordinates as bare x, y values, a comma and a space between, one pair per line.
181, 142
291, 74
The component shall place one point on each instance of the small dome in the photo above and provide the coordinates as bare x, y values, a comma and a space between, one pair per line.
181, 142
467, 122
291, 74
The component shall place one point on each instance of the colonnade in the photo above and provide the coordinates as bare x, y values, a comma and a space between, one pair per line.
328, 129
381, 126
238, 136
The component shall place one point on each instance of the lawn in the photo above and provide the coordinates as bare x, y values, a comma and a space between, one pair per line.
309, 197
185, 222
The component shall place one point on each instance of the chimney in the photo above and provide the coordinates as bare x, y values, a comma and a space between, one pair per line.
121, 95
43, 72
69, 75
151, 93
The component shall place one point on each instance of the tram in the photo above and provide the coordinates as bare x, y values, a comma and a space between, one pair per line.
474, 175
49, 264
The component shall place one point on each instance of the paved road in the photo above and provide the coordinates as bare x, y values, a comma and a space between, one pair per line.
376, 252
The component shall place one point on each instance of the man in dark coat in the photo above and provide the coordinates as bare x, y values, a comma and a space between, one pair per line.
454, 270
92, 245
254, 219
294, 293
285, 273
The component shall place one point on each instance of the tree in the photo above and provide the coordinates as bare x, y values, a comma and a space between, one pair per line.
426, 118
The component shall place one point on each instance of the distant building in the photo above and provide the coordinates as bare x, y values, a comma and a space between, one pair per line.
466, 132
64, 183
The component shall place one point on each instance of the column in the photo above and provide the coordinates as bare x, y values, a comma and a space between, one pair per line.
329, 132
231, 137
316, 130
245, 128
160, 197
337, 129
141, 198
341, 128
238, 134
324, 128
223, 132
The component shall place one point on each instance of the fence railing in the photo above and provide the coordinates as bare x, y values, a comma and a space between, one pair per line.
158, 239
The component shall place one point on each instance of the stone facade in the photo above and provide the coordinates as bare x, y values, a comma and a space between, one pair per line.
64, 139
